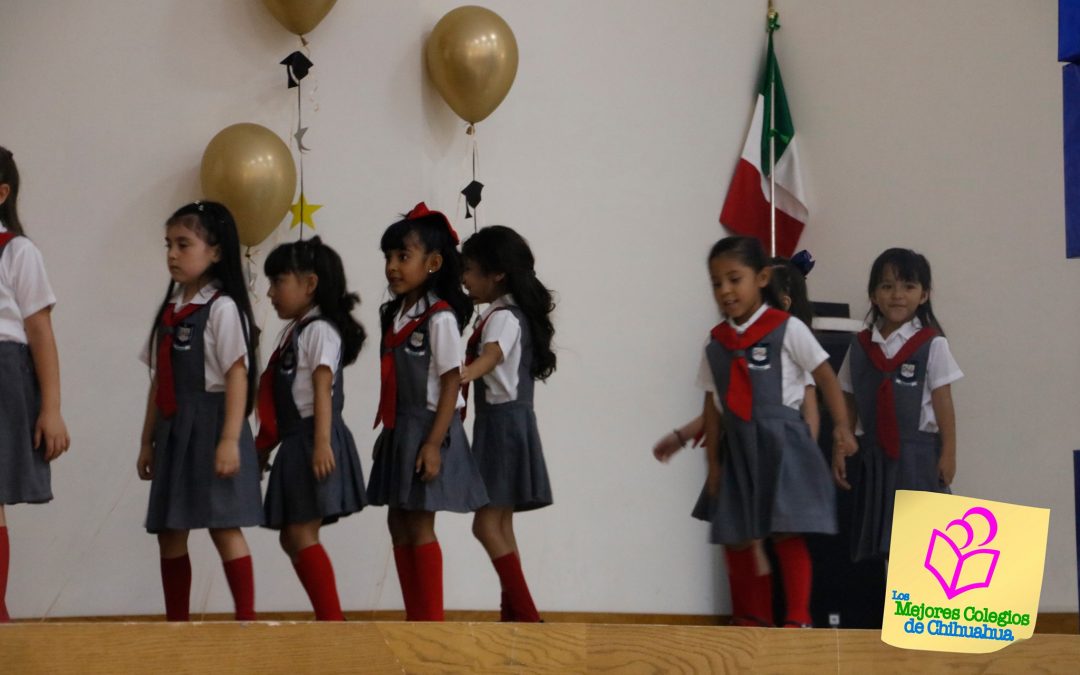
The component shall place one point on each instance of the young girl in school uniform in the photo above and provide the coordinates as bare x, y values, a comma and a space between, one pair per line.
197, 448
788, 281
897, 376
509, 349
316, 477
32, 431
422, 462
771, 481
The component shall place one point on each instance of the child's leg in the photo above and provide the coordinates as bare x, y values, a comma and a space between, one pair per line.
301, 542
427, 557
504, 557
403, 561
797, 573
175, 574
751, 586
236, 559
5, 558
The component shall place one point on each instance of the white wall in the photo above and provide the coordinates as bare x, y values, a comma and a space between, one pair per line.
926, 124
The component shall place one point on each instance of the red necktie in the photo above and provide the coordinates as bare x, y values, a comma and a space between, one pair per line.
472, 351
166, 386
391, 341
888, 431
5, 237
267, 409
740, 394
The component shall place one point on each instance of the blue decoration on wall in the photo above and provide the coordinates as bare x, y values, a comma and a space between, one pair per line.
1069, 30
1070, 77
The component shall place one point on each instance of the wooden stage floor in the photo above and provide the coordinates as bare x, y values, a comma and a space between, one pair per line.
467, 647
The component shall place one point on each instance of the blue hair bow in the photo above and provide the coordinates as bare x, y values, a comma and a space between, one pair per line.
803, 261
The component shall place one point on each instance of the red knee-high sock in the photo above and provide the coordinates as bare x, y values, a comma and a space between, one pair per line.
751, 593
406, 572
176, 581
513, 580
505, 612
5, 557
428, 561
317, 575
797, 571
241, 577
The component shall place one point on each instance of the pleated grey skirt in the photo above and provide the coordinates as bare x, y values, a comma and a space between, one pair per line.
395, 483
293, 495
875, 480
775, 480
506, 445
24, 474
185, 493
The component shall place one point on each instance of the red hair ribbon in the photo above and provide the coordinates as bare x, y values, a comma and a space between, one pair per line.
421, 210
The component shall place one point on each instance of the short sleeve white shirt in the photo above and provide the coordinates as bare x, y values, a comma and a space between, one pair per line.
501, 384
941, 369
223, 340
800, 354
445, 342
24, 287
319, 344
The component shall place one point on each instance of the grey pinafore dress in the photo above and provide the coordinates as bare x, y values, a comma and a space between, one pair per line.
394, 481
774, 478
875, 477
293, 494
185, 493
24, 474
506, 441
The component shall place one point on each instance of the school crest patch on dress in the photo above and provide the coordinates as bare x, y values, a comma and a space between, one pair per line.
288, 362
758, 356
908, 374
182, 337
416, 342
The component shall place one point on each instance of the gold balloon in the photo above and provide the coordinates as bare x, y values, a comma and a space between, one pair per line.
299, 16
249, 169
472, 57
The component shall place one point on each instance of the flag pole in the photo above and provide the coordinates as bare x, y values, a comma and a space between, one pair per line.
773, 24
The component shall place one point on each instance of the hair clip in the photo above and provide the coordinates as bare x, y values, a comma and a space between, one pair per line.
200, 206
421, 210
803, 261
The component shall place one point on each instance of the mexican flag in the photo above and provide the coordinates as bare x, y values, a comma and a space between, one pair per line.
747, 209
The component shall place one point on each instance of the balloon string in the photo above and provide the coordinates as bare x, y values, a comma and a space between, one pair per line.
300, 150
475, 163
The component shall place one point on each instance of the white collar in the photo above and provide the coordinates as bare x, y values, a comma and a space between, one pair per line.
740, 329
504, 300
202, 297
421, 306
904, 332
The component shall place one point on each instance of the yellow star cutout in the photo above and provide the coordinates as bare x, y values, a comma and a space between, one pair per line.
302, 211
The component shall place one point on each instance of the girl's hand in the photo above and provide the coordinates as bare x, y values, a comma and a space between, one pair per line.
322, 461
227, 458
947, 469
468, 373
712, 482
839, 470
264, 460
844, 441
51, 430
145, 463
667, 446
429, 461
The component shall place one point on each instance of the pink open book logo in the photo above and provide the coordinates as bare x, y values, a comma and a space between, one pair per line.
956, 568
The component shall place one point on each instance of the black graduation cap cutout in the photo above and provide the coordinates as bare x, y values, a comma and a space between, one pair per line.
297, 67
472, 196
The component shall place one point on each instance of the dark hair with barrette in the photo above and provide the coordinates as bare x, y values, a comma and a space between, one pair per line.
748, 251
9, 175
436, 235
332, 297
213, 223
908, 266
788, 280
499, 249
